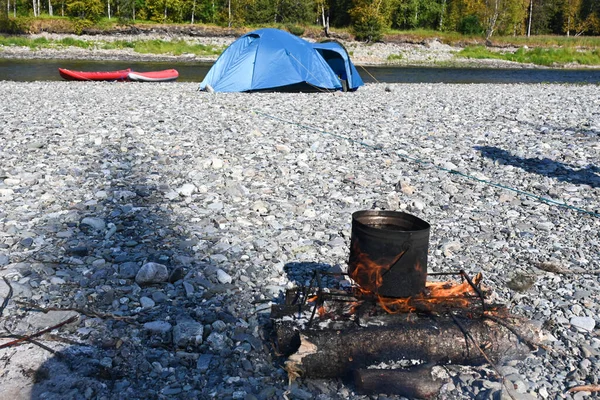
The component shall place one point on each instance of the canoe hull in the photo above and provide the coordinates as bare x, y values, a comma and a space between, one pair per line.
94, 76
167, 75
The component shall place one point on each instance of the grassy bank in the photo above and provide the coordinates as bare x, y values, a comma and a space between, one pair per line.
175, 47
539, 56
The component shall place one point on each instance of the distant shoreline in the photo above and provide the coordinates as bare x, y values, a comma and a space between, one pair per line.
429, 54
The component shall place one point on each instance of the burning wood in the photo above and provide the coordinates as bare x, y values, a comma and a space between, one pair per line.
351, 330
393, 315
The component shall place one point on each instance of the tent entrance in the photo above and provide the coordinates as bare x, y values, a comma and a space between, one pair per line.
337, 64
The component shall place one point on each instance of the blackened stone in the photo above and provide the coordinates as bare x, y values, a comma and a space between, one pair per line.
80, 251
176, 274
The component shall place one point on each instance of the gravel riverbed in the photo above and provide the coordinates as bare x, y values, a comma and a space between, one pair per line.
167, 221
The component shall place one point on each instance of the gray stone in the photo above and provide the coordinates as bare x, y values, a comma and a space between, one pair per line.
50, 318
146, 302
128, 269
97, 224
223, 277
158, 327
585, 323
187, 333
4, 260
216, 341
152, 273
186, 189
204, 362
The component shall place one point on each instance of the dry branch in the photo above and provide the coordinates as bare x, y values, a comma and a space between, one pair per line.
585, 388
39, 333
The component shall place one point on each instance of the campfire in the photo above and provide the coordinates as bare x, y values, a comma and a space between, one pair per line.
385, 324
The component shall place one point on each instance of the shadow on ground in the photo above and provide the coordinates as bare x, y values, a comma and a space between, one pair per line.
589, 175
128, 219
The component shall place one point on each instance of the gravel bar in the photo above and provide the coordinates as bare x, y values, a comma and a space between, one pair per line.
169, 220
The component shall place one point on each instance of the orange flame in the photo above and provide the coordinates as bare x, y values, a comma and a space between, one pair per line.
448, 294
368, 273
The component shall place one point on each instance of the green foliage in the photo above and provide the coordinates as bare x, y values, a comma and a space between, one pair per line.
470, 25
14, 41
15, 26
177, 47
295, 29
117, 45
79, 25
538, 56
367, 22
71, 42
90, 10
411, 14
395, 57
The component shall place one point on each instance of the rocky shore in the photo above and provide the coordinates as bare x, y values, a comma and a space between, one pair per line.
158, 225
429, 53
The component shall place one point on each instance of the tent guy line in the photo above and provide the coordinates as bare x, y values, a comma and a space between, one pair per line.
429, 163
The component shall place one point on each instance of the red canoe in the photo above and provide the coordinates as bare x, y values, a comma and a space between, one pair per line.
122, 75
154, 76
94, 76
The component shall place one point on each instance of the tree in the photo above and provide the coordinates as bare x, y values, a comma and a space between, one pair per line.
85, 9
368, 19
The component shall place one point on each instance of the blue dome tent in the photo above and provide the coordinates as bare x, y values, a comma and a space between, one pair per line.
270, 60
338, 59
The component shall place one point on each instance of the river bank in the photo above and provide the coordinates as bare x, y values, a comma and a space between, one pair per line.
428, 53
160, 224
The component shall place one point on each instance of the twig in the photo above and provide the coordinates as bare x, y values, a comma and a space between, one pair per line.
88, 313
468, 334
531, 344
8, 296
32, 253
585, 388
43, 346
39, 333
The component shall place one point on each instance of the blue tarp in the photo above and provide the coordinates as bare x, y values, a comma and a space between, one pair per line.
270, 59
338, 59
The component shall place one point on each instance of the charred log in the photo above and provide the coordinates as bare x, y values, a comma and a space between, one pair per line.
328, 353
414, 383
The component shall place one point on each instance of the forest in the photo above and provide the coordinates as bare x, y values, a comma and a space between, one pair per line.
367, 19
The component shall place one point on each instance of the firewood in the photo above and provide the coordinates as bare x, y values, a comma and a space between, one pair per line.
414, 383
336, 353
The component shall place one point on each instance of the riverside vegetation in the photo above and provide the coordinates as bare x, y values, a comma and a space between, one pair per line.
178, 40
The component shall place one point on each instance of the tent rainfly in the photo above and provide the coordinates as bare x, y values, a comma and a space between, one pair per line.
275, 60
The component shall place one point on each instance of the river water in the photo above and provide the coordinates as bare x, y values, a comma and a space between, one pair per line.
47, 70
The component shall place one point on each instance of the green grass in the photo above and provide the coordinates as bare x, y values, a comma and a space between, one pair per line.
589, 42
419, 35
394, 57
24, 42
71, 42
538, 56
177, 47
